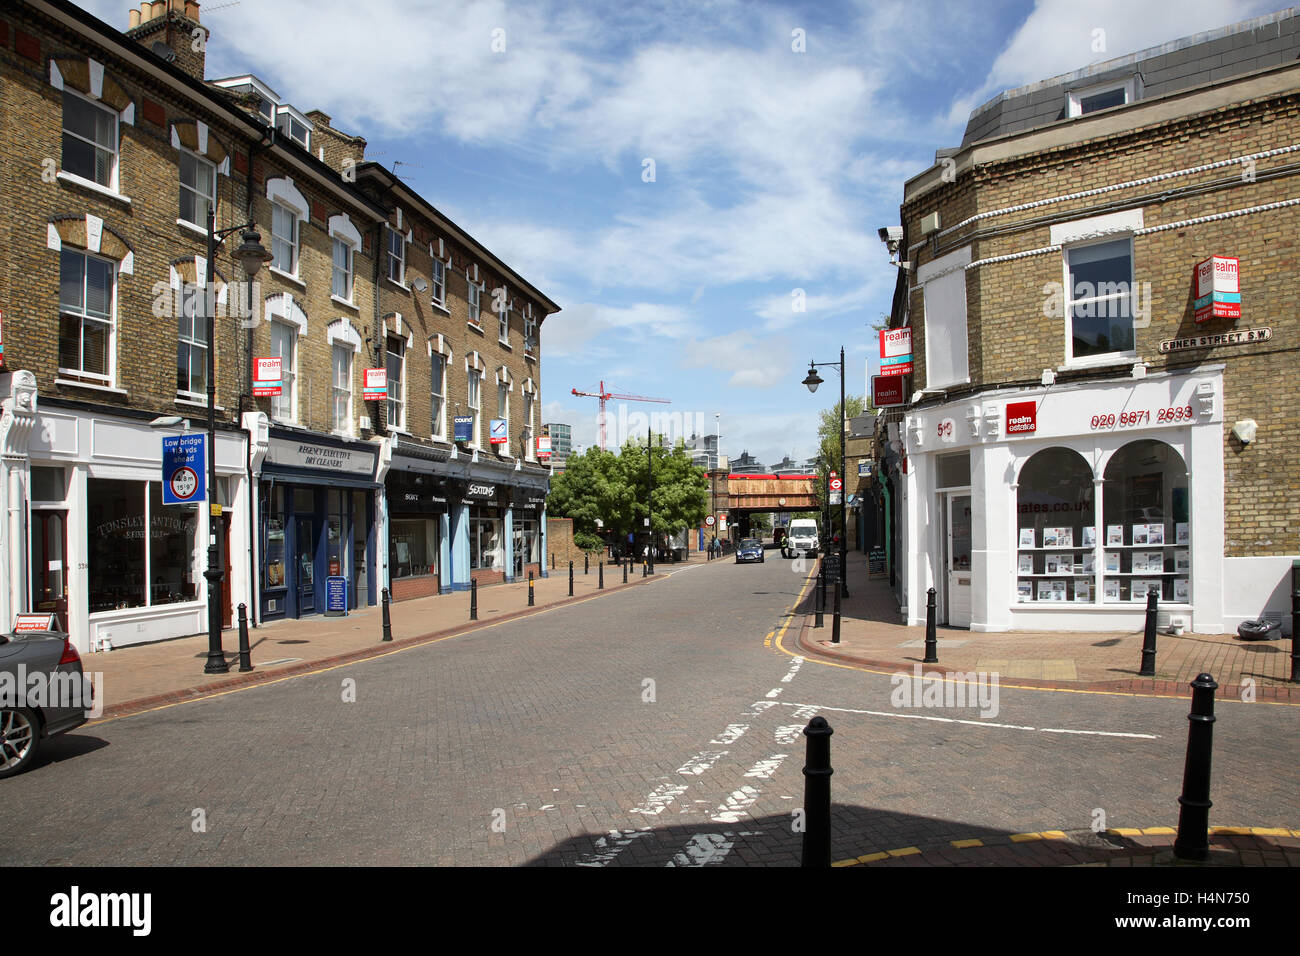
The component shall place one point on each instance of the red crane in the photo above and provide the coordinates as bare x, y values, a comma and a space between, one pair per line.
604, 396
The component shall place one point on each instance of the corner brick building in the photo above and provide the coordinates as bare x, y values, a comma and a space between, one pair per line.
1087, 421
113, 147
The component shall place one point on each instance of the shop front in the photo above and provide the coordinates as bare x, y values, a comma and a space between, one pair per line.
316, 507
1062, 508
526, 531
418, 529
488, 504
118, 565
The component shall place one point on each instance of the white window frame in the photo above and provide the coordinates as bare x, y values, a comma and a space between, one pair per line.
283, 193
346, 270
503, 323
116, 152
474, 391
292, 241
192, 341
109, 379
503, 412
342, 231
530, 332
530, 441
438, 399
400, 257
474, 296
1106, 358
1075, 98
288, 374
336, 391
927, 277
438, 282
396, 422
202, 221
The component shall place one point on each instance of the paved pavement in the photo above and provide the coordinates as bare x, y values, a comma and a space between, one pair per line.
872, 635
655, 725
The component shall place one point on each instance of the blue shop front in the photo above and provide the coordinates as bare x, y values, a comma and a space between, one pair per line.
316, 508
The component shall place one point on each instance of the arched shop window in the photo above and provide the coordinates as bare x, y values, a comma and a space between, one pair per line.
1148, 533
1057, 530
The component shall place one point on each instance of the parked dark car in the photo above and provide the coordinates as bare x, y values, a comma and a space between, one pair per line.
25, 718
750, 549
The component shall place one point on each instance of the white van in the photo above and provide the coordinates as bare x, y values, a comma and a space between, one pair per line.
801, 539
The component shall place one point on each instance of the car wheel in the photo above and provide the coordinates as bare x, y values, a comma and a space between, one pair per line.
20, 738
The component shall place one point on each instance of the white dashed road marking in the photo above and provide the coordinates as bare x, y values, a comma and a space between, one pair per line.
658, 799
731, 734
810, 710
701, 762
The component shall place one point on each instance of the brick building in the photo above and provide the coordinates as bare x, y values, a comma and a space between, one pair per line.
113, 148
1088, 420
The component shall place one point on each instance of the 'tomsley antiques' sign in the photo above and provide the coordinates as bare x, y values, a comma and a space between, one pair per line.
300, 454
1240, 337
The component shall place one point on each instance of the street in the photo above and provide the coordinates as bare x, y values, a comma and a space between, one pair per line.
655, 726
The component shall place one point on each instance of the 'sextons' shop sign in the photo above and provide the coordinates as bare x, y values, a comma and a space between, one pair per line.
299, 454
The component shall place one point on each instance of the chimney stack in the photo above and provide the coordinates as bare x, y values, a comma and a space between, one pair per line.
171, 30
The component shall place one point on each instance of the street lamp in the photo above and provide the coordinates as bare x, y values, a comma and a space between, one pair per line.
812, 381
250, 254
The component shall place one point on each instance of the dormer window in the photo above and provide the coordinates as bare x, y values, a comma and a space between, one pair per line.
1103, 96
293, 124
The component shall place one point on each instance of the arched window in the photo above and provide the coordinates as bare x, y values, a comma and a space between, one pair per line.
1056, 528
1148, 529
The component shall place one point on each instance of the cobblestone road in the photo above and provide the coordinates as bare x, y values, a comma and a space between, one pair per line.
656, 726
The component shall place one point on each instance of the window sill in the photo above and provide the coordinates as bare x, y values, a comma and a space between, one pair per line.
199, 231
405, 288
505, 344
74, 180
196, 403
98, 388
346, 303
441, 307
287, 422
1112, 360
287, 277
475, 326
342, 433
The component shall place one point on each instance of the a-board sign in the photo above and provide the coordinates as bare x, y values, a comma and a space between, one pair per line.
336, 596
41, 622
876, 562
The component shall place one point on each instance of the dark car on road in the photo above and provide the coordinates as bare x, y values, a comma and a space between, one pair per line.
749, 549
42, 693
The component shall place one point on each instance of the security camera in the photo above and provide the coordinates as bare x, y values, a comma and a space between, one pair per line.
891, 234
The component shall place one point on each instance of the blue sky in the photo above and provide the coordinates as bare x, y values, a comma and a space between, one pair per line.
773, 168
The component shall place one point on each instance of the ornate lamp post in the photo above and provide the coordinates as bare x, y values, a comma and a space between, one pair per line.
812, 381
250, 254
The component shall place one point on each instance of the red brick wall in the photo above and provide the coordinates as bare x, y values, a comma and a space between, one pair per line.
423, 586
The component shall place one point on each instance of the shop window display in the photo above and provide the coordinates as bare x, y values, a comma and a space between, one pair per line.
412, 547
1056, 522
141, 552
1148, 529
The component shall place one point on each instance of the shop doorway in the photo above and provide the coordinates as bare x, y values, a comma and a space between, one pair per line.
305, 533
49, 569
957, 560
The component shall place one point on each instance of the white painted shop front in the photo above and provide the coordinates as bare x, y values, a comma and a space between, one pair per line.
1058, 508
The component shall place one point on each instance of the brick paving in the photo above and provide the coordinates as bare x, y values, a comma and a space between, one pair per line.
143, 676
546, 722
871, 635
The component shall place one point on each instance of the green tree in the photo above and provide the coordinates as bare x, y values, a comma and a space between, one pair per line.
830, 436
615, 489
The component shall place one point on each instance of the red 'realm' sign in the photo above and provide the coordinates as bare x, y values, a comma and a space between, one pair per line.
887, 390
1022, 417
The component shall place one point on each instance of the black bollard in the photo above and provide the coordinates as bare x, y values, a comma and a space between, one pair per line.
835, 622
643, 569
473, 599
1192, 842
584, 562
388, 627
820, 597
245, 656
931, 638
1149, 638
530, 589
817, 795
624, 563
570, 579
600, 574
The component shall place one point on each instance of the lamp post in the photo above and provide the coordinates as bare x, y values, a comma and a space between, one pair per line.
812, 381
250, 254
